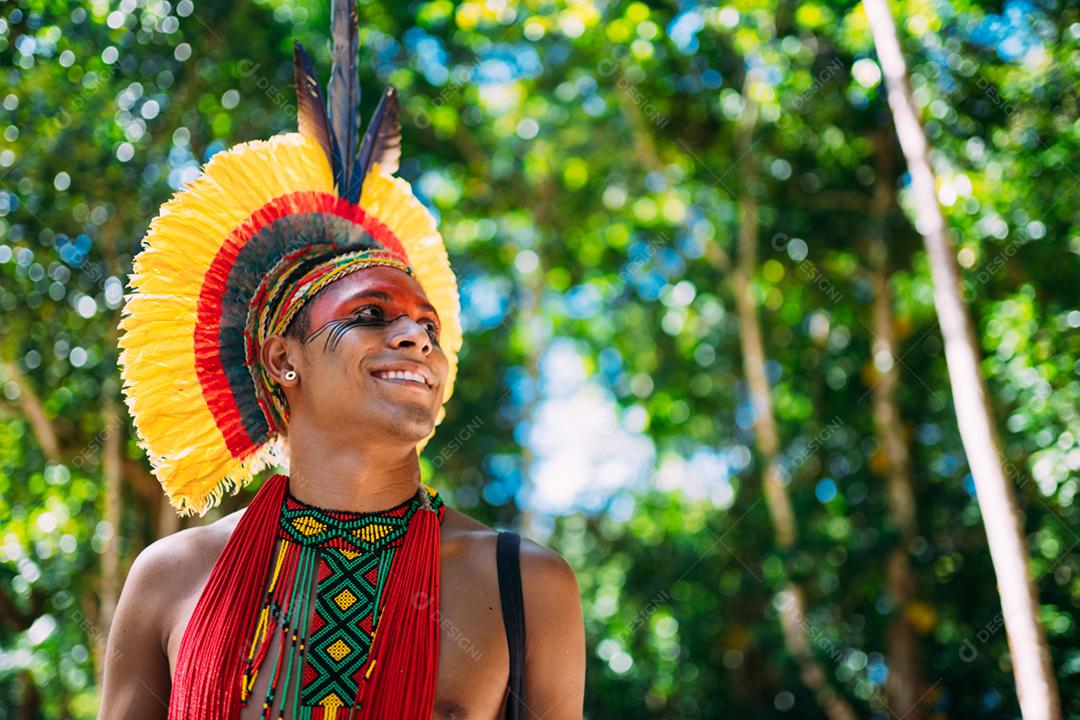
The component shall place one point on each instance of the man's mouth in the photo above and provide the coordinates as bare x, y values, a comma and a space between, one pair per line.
403, 377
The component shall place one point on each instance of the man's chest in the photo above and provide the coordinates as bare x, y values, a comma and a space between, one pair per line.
473, 659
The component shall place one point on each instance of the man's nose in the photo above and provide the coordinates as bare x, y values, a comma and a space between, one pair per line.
405, 332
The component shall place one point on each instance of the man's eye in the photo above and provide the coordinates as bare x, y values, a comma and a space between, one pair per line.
360, 311
367, 310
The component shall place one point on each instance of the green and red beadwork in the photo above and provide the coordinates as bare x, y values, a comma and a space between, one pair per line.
323, 601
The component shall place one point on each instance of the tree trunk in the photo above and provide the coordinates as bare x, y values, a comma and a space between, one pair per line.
30, 702
906, 685
34, 412
792, 597
1035, 682
168, 521
529, 316
111, 466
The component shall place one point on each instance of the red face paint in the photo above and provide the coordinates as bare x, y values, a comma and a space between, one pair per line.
395, 292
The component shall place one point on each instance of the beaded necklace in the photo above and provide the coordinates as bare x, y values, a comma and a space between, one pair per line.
324, 598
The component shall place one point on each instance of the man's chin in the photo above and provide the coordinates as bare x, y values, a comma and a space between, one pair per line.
402, 427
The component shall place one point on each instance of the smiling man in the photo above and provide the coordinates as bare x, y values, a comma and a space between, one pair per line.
294, 308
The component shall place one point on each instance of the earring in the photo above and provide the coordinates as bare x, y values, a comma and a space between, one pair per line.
290, 375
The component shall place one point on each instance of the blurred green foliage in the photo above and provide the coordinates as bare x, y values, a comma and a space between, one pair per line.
581, 159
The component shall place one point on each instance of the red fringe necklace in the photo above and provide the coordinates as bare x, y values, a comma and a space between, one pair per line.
353, 599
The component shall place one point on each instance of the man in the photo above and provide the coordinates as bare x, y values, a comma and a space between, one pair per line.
352, 438
295, 301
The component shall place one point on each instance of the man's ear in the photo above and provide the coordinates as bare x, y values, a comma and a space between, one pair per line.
279, 355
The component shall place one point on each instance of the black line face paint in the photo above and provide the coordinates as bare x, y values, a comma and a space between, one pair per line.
361, 318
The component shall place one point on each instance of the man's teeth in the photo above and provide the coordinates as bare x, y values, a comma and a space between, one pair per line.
402, 375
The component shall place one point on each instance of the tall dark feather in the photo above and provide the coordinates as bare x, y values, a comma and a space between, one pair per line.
344, 86
310, 109
381, 144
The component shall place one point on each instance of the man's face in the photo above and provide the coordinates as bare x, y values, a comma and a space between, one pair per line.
362, 328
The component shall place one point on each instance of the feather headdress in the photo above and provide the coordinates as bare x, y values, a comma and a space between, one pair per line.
221, 245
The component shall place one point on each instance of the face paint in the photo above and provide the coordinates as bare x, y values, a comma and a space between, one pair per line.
364, 316
391, 289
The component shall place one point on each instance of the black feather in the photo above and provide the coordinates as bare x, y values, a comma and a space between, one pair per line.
310, 109
381, 144
344, 86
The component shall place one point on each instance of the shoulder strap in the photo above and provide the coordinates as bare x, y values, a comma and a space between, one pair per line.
507, 556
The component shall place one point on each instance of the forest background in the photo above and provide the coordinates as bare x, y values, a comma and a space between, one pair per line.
721, 322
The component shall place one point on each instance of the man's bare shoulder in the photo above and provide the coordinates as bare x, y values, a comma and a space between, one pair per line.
555, 626
457, 525
466, 539
172, 565
163, 575
544, 565
191, 545
470, 537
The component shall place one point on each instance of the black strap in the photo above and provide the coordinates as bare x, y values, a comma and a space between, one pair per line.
507, 556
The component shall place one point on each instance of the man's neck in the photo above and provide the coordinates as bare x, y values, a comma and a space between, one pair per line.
357, 477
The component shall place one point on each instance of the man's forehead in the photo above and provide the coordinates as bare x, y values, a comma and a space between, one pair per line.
383, 283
